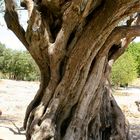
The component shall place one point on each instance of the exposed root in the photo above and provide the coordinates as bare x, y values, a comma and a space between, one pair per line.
106, 122
40, 122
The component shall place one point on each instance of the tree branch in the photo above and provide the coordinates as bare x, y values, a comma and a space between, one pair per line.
12, 21
89, 5
120, 36
131, 31
123, 45
135, 7
126, 35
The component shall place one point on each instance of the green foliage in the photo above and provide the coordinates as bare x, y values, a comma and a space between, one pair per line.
17, 65
134, 49
124, 70
127, 67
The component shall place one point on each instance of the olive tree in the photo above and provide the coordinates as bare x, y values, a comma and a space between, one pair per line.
75, 43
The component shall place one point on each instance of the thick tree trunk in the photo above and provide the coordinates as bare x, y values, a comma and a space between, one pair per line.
81, 108
75, 43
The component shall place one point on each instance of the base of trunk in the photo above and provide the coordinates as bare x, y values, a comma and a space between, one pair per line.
104, 120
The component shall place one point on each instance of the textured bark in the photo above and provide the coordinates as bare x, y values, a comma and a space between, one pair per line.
75, 43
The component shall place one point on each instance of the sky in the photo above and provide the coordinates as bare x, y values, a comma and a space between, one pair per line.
8, 38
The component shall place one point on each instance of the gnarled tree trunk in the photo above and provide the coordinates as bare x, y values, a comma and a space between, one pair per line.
75, 43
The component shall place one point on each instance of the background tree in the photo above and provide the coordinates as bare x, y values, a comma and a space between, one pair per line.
23, 67
2, 48
134, 49
74, 44
124, 70
17, 65
6, 59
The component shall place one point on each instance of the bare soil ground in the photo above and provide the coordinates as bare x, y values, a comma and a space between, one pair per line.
129, 108
16, 95
14, 98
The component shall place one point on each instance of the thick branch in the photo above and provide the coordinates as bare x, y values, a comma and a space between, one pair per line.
131, 31
11, 18
127, 2
133, 8
124, 44
120, 33
127, 34
90, 5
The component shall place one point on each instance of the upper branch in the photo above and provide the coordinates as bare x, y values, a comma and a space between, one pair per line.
126, 35
126, 2
126, 31
121, 37
12, 21
133, 8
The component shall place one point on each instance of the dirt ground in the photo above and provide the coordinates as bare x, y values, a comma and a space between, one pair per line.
16, 95
126, 102
14, 98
